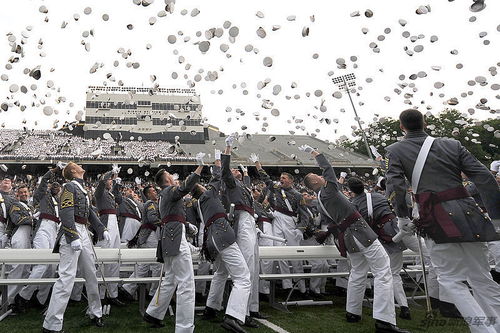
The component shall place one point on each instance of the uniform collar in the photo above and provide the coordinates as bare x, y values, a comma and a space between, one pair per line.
415, 134
79, 180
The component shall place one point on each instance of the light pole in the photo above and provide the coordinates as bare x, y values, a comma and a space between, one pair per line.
346, 82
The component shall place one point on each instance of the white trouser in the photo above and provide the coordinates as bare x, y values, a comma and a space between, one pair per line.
45, 238
203, 269
396, 259
110, 270
230, 262
76, 292
70, 261
143, 270
130, 227
458, 262
266, 266
246, 238
494, 248
411, 242
178, 274
316, 285
342, 267
284, 227
20, 240
203, 266
3, 226
374, 258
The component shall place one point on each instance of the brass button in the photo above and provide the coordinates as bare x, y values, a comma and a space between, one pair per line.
478, 236
369, 241
450, 214
355, 229
468, 213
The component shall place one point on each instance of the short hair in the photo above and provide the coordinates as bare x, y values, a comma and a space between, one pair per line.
145, 190
308, 181
67, 171
412, 120
22, 186
355, 185
289, 175
197, 191
56, 184
158, 177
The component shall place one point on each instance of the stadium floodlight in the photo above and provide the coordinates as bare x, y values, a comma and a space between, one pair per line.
346, 83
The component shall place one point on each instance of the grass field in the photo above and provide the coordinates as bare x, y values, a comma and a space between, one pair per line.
305, 319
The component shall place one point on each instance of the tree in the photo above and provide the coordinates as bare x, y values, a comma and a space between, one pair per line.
481, 138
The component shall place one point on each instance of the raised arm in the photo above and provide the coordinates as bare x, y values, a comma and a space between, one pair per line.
41, 189
187, 185
116, 190
101, 186
227, 176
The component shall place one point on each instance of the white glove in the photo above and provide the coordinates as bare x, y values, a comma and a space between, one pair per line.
115, 168
343, 174
375, 152
306, 148
106, 236
254, 158
193, 230
230, 139
118, 180
61, 165
243, 168
217, 154
194, 249
76, 245
199, 158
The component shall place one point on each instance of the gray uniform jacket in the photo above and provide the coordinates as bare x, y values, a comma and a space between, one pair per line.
150, 221
277, 200
381, 210
460, 220
75, 207
128, 208
339, 208
172, 209
20, 213
43, 198
106, 200
236, 191
190, 207
219, 234
6, 200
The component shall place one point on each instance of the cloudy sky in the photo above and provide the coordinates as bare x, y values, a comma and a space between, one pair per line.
239, 96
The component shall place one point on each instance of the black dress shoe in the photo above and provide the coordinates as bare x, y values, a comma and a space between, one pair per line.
449, 310
352, 318
116, 301
97, 321
209, 313
231, 324
155, 322
405, 313
124, 295
258, 315
495, 275
44, 330
21, 304
249, 322
385, 327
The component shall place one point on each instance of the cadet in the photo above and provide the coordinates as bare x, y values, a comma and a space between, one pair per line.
146, 237
220, 246
130, 213
107, 195
238, 193
45, 237
376, 210
74, 246
289, 217
356, 238
6, 200
455, 228
20, 223
173, 250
